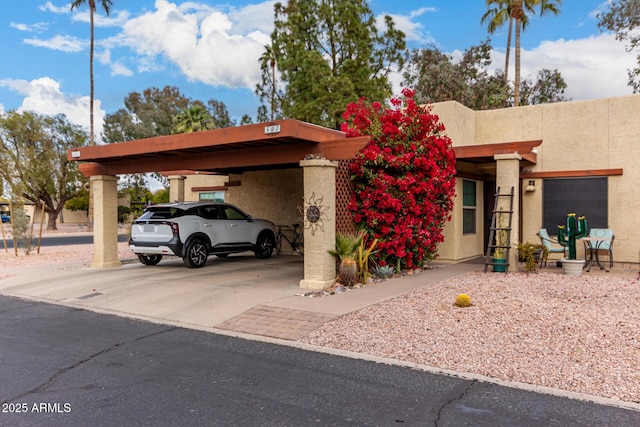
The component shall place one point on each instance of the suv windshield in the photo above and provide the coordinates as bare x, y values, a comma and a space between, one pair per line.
161, 212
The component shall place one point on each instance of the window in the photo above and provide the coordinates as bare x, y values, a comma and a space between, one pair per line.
233, 213
211, 196
468, 207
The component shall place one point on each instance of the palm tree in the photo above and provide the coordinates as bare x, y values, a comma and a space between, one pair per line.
192, 119
516, 10
106, 5
268, 62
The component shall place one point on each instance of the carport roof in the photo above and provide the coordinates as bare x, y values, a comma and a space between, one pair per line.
278, 144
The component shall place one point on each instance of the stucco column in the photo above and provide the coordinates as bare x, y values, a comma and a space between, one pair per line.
507, 176
176, 188
320, 236
105, 221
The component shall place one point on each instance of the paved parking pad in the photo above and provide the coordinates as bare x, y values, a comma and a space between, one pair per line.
276, 322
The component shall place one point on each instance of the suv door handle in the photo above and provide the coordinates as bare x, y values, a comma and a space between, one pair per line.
206, 224
233, 225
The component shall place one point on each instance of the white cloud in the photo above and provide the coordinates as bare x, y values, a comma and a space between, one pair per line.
100, 19
38, 27
119, 69
595, 67
104, 58
207, 45
44, 96
414, 31
49, 7
63, 43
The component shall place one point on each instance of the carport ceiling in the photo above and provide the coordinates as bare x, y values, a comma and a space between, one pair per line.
279, 144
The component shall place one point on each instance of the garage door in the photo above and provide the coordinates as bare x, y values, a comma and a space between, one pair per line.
582, 196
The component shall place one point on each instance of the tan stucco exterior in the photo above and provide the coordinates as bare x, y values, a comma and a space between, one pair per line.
105, 231
576, 136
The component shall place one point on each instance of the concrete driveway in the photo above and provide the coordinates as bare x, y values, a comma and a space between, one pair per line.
169, 292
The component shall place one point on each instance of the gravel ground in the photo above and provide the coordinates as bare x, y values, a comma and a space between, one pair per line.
579, 334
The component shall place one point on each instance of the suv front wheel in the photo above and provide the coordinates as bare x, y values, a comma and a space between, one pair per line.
196, 254
264, 246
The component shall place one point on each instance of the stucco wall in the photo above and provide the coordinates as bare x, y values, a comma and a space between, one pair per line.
204, 180
274, 194
460, 126
456, 245
577, 136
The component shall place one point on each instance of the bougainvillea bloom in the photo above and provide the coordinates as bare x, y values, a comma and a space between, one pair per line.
404, 178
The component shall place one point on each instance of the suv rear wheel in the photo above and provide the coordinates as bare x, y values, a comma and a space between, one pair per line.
196, 254
149, 259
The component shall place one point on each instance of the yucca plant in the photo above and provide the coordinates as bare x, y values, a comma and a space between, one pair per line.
364, 256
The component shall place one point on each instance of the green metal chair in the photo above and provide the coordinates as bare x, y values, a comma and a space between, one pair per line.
606, 245
548, 242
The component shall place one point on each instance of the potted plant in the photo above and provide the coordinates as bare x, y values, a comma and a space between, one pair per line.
575, 228
530, 254
502, 242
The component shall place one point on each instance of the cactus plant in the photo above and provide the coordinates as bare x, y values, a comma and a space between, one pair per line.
463, 300
348, 271
575, 228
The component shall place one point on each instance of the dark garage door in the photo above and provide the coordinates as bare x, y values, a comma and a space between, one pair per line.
582, 196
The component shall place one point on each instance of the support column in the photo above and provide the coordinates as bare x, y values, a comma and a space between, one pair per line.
320, 235
105, 221
507, 176
176, 188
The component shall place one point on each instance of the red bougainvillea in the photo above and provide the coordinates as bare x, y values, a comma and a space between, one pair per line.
404, 178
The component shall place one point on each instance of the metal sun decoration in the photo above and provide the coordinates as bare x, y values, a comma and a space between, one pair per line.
315, 213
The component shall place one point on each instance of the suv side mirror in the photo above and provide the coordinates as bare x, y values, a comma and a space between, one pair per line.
249, 218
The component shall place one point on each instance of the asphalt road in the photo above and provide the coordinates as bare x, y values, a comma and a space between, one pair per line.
65, 366
63, 240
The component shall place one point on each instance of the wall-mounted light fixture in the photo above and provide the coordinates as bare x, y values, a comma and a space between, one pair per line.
531, 187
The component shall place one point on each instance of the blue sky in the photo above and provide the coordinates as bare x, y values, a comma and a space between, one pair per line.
210, 49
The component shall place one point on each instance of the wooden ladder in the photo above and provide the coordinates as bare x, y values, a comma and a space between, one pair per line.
498, 224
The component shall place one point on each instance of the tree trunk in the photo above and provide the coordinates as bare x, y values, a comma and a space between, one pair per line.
518, 13
51, 223
91, 134
516, 84
506, 60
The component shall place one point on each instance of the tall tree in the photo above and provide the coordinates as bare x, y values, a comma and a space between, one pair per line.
194, 118
495, 17
548, 87
518, 11
329, 53
106, 5
33, 159
437, 77
623, 17
270, 86
220, 114
145, 115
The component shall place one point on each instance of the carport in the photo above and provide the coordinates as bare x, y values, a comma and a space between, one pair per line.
276, 145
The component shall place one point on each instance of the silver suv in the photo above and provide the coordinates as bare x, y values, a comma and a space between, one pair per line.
195, 230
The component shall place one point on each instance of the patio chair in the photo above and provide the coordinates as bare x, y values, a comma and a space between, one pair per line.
607, 245
548, 242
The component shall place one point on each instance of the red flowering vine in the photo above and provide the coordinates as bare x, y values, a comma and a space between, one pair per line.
404, 178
